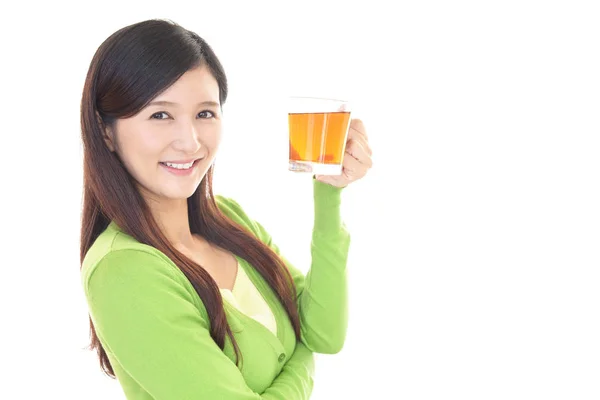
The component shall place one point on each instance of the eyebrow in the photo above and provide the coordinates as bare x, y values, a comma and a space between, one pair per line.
170, 103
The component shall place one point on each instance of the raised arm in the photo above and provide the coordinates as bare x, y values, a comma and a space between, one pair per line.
322, 293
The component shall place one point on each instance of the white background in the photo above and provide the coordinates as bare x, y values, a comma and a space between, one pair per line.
476, 236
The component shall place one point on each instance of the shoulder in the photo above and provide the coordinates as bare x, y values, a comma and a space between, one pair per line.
235, 212
118, 262
230, 207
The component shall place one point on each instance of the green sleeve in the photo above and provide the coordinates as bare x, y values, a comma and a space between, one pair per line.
146, 318
322, 293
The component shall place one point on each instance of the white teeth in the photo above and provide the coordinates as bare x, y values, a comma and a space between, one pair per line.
180, 166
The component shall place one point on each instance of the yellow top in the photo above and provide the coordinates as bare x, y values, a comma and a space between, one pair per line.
246, 298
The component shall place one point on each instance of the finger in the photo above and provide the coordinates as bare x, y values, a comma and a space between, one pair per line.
360, 136
353, 169
334, 180
357, 129
357, 150
323, 178
364, 143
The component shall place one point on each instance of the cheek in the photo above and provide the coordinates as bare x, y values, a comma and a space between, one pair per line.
211, 137
138, 150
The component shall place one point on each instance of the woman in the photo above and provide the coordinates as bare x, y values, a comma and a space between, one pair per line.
188, 296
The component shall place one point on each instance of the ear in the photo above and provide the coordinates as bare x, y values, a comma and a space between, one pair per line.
108, 139
107, 133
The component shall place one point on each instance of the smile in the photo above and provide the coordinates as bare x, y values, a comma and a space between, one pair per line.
179, 166
180, 169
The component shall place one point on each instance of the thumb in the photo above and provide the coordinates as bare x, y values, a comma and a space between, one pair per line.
324, 178
329, 179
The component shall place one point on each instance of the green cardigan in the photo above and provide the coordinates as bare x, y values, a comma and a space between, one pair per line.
155, 329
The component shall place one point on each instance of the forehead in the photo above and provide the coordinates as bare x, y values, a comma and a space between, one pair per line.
195, 85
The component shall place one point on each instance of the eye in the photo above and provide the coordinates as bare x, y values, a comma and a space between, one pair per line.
206, 114
159, 115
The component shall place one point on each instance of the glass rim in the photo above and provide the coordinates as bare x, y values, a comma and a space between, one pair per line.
318, 98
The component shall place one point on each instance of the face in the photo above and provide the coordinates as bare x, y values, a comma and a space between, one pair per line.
169, 145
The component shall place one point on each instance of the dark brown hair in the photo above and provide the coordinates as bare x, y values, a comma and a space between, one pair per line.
130, 68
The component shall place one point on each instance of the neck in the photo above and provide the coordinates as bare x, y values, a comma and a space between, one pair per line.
172, 218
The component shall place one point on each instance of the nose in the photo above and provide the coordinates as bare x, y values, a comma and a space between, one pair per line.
187, 139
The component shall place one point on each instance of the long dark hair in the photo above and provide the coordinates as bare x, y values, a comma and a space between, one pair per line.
129, 69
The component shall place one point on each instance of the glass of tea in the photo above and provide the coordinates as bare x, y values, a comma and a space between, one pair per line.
318, 129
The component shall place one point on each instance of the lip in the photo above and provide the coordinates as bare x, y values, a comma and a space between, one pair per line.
181, 161
181, 172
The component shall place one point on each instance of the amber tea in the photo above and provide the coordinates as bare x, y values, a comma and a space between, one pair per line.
317, 137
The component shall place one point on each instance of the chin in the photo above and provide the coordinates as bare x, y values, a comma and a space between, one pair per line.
180, 193
169, 191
